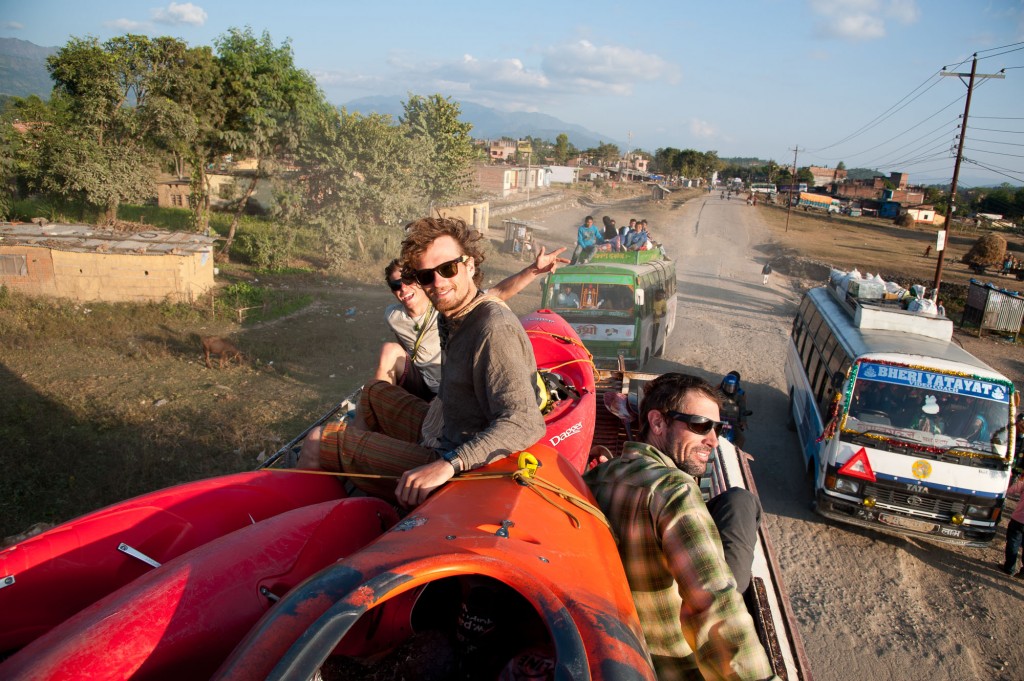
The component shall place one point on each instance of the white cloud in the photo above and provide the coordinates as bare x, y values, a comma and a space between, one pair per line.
702, 129
857, 20
13, 25
510, 83
583, 66
183, 13
127, 25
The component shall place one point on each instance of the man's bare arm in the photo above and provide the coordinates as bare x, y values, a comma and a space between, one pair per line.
545, 263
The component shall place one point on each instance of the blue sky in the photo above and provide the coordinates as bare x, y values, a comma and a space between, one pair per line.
744, 78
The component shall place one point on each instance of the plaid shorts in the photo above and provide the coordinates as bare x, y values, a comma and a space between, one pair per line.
390, 446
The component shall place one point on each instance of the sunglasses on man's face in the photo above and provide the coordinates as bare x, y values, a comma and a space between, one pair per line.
397, 284
701, 425
446, 269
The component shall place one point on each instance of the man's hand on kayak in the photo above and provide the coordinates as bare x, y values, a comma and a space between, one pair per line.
416, 484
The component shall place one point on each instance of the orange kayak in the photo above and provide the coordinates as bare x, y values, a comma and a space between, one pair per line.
485, 556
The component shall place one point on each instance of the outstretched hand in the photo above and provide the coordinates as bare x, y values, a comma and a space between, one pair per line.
549, 262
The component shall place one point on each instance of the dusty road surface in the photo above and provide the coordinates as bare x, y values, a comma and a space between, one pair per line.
869, 605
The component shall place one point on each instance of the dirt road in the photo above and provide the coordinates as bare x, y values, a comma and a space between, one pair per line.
870, 605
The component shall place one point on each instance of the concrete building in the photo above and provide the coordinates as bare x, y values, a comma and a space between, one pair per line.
173, 193
476, 215
83, 263
502, 150
825, 176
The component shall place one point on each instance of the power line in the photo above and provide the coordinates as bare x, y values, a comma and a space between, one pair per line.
1010, 132
1002, 118
1001, 47
916, 125
882, 116
951, 133
1009, 144
997, 54
997, 153
993, 170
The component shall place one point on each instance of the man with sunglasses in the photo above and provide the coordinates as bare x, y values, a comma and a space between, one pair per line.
487, 403
687, 590
414, 361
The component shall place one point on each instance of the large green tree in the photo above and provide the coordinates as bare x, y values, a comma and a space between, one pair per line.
110, 113
434, 122
269, 105
360, 171
563, 149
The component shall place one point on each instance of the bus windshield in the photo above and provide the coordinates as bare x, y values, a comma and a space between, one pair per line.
958, 414
567, 297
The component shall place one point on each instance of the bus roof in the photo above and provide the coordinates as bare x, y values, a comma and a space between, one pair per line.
875, 342
595, 268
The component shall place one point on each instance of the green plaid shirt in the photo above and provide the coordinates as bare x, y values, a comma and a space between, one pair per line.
683, 589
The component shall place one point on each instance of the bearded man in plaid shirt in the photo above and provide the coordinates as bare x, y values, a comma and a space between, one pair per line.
683, 585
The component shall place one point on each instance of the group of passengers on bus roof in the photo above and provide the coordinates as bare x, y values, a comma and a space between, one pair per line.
955, 416
590, 238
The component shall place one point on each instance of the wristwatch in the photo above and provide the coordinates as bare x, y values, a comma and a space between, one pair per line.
452, 457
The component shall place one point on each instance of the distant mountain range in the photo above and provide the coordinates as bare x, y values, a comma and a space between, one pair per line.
489, 123
23, 68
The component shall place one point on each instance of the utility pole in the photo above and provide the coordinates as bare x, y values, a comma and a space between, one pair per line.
941, 245
789, 194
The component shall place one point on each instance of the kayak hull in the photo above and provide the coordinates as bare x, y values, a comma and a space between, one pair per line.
182, 619
558, 349
58, 572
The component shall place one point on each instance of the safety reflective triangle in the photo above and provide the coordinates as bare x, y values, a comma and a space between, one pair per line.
858, 466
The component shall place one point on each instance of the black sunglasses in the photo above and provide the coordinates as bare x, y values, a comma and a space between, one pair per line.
445, 269
701, 425
396, 284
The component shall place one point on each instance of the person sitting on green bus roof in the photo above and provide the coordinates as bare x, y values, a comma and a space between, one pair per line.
588, 237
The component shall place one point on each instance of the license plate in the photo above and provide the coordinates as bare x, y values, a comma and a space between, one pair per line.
906, 523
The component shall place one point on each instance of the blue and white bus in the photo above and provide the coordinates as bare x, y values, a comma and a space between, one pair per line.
901, 429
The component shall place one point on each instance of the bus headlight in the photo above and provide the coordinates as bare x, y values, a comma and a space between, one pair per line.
978, 512
869, 502
957, 519
848, 486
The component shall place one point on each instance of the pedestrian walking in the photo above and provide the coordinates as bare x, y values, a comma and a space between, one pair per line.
766, 272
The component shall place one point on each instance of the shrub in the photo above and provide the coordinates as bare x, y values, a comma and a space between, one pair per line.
265, 248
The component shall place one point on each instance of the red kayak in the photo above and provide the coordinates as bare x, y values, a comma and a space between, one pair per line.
181, 620
53, 575
559, 352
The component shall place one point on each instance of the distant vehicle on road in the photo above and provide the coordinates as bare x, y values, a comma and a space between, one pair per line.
763, 188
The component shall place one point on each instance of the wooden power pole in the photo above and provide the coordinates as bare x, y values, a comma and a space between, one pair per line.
941, 244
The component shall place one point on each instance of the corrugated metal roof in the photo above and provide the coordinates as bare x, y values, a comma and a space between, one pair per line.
88, 239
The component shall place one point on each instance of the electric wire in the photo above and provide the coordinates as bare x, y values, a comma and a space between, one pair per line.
885, 114
997, 153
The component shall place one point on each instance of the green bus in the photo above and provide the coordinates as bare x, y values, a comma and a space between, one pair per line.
622, 305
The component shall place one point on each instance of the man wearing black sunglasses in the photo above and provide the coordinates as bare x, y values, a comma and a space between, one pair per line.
414, 361
687, 590
487, 400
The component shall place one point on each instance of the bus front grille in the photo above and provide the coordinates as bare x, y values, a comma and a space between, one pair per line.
922, 503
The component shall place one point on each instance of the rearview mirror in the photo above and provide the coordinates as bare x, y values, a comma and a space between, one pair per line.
639, 297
